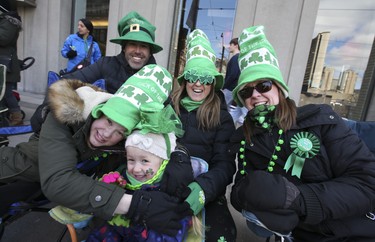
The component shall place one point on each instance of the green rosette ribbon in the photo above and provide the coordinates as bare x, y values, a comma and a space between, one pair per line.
304, 145
155, 118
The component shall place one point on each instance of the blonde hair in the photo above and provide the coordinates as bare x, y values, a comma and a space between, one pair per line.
197, 227
208, 114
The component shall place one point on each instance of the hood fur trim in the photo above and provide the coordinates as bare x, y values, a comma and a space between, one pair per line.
64, 101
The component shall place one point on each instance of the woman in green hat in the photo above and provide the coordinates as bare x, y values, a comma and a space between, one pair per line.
208, 127
87, 124
303, 174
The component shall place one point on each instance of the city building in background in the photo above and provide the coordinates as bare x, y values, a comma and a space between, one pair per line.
339, 71
323, 46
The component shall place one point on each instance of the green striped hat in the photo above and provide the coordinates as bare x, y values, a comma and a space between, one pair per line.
200, 60
257, 60
152, 83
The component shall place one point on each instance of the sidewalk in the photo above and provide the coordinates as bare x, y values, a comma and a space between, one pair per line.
39, 226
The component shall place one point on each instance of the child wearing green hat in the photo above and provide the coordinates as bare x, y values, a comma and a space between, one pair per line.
208, 127
303, 174
81, 127
148, 154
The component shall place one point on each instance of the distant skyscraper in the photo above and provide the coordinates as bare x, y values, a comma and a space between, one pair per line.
315, 63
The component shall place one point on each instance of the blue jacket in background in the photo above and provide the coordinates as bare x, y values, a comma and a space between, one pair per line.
75, 42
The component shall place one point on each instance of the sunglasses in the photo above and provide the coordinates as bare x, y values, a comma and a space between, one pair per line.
261, 87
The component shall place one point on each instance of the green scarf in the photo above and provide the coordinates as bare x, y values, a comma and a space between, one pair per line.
263, 116
189, 104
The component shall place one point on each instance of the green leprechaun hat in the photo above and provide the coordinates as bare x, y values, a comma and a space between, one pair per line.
200, 61
257, 60
134, 27
152, 83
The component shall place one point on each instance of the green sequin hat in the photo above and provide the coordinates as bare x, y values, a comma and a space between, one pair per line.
134, 27
152, 83
257, 60
200, 60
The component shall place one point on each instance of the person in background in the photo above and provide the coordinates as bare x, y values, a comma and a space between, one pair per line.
208, 127
10, 27
231, 79
303, 174
81, 45
137, 40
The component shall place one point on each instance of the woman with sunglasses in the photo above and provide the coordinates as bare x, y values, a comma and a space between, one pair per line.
302, 172
208, 127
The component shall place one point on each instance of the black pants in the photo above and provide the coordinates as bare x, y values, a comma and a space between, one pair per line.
15, 192
219, 221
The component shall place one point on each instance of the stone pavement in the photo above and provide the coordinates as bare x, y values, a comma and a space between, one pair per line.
40, 227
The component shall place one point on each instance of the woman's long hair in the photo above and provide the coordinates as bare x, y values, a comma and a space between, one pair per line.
208, 113
286, 114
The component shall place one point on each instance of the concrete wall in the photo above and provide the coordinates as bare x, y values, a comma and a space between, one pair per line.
289, 26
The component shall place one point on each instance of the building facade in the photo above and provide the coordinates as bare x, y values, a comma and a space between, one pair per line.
289, 26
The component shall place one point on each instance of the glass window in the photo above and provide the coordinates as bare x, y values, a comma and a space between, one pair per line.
97, 13
339, 56
215, 18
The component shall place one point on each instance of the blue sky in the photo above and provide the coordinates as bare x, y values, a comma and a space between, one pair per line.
352, 27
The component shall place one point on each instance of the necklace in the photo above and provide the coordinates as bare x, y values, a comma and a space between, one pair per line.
273, 158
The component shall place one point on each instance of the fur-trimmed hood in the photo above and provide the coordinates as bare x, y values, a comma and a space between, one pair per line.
71, 106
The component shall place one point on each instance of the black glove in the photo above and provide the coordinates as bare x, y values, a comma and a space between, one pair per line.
178, 173
278, 220
71, 54
262, 190
158, 211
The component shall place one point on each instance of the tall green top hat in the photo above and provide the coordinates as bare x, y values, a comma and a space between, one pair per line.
200, 61
152, 83
136, 28
257, 60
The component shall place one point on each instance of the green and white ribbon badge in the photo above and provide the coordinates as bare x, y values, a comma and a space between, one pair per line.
304, 145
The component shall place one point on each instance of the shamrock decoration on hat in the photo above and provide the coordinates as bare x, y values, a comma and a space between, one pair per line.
134, 27
257, 60
200, 61
152, 83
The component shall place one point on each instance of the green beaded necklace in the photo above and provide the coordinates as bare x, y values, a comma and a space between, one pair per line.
274, 156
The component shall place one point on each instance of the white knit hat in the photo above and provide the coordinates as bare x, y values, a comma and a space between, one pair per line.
91, 98
153, 143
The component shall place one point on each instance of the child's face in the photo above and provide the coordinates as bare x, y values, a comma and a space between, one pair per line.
105, 132
142, 165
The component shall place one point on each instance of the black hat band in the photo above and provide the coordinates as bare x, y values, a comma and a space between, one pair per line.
136, 28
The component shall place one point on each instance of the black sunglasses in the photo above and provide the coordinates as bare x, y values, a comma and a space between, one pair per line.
261, 87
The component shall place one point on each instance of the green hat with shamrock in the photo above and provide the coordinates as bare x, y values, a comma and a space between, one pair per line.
257, 60
134, 27
152, 83
200, 61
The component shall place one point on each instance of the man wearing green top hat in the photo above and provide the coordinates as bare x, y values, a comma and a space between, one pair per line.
137, 39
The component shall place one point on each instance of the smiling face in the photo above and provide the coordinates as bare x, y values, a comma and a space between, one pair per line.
270, 97
105, 132
197, 91
141, 164
137, 54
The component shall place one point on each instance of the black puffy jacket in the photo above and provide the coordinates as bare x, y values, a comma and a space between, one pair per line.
212, 146
338, 183
115, 70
